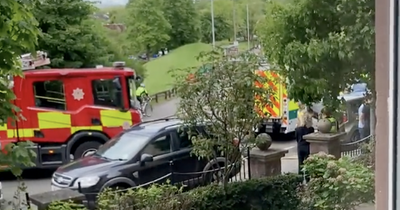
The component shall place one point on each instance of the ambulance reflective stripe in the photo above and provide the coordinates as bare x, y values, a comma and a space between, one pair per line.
272, 82
285, 109
293, 107
262, 110
115, 118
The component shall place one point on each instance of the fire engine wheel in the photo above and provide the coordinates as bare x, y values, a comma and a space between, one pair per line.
86, 148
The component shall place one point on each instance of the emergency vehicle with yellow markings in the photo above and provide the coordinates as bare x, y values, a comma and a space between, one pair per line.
281, 114
69, 112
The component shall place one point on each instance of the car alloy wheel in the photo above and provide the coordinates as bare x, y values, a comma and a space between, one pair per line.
89, 152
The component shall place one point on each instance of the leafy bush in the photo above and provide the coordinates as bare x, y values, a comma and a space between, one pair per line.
274, 193
367, 157
156, 197
337, 184
68, 205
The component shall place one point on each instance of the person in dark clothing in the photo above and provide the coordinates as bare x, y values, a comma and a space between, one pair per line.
303, 147
304, 127
364, 118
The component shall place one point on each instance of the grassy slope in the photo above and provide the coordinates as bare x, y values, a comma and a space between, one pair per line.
158, 78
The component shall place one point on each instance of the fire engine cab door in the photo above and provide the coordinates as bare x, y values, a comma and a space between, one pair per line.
105, 94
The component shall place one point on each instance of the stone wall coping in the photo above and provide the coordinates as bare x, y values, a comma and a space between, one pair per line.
269, 154
323, 137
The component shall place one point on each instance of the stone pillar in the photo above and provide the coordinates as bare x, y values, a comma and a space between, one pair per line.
266, 163
325, 142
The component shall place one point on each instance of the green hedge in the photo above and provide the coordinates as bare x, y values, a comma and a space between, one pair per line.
271, 193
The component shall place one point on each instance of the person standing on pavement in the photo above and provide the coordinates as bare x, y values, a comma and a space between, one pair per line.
303, 127
364, 119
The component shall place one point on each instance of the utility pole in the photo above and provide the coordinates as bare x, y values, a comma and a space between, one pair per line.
212, 23
234, 19
248, 26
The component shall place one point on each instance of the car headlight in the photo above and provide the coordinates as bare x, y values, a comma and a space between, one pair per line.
86, 182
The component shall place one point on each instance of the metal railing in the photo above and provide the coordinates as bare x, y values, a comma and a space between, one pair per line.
216, 174
239, 171
355, 148
163, 95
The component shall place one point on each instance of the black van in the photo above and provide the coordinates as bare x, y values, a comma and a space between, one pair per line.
150, 152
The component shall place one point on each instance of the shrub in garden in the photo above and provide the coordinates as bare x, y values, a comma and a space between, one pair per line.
155, 197
367, 156
337, 184
273, 193
68, 205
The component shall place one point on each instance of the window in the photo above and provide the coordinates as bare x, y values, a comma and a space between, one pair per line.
49, 94
124, 146
160, 146
105, 92
185, 138
131, 87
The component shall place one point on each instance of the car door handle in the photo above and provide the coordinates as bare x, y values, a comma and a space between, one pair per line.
96, 121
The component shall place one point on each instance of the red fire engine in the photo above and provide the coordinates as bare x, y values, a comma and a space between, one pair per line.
69, 112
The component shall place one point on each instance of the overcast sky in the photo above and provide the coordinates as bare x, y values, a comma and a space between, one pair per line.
111, 2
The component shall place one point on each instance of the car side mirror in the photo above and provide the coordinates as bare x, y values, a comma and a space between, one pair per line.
146, 158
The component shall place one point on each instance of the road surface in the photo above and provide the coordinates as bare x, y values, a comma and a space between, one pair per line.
38, 181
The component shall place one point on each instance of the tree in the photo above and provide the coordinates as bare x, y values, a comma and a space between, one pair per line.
148, 28
18, 35
223, 96
320, 46
233, 12
223, 29
184, 20
118, 49
117, 14
68, 35
222, 20
255, 14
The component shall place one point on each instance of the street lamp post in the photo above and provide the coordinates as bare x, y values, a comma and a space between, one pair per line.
234, 20
212, 23
248, 26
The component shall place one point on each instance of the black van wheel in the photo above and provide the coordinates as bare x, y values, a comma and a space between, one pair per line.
355, 136
86, 148
214, 174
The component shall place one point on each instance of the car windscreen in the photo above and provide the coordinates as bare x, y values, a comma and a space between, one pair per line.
123, 147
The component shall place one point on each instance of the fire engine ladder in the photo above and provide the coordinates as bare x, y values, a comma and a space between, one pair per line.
30, 62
